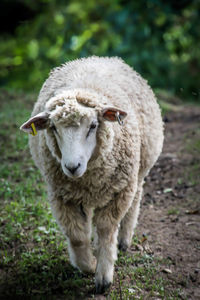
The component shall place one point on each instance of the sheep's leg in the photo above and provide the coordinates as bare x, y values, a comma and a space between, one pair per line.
129, 222
107, 220
106, 256
75, 222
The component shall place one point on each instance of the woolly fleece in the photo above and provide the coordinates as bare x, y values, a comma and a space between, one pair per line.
112, 184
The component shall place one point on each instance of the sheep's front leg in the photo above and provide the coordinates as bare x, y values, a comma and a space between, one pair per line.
75, 222
106, 253
107, 220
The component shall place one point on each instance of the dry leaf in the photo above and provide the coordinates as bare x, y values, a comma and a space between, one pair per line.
139, 247
168, 190
191, 223
144, 238
192, 212
147, 248
167, 271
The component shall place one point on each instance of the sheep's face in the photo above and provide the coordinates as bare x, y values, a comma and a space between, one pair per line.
76, 142
74, 126
71, 133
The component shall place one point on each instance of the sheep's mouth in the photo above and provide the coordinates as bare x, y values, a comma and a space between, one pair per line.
74, 177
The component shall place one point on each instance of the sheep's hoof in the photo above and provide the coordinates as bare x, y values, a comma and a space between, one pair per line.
101, 288
122, 246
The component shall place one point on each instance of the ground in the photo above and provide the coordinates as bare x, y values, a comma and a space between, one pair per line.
164, 259
170, 213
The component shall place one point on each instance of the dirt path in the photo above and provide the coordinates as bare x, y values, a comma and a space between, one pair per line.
170, 213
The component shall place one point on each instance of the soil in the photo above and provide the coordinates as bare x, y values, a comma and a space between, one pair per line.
170, 212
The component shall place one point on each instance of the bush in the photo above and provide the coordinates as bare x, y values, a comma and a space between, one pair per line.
160, 39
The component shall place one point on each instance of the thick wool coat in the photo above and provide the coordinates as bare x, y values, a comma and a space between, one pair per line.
124, 153
112, 184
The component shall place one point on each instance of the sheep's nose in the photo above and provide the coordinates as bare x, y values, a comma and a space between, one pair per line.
73, 168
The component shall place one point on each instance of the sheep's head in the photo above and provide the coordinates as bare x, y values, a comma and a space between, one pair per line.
71, 130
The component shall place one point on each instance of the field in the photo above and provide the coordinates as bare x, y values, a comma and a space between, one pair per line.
163, 261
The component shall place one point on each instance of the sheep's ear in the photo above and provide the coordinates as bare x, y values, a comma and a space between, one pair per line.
113, 114
38, 122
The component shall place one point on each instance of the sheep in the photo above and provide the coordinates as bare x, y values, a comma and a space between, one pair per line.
100, 132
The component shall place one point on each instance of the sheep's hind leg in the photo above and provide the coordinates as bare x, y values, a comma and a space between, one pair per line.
129, 221
75, 222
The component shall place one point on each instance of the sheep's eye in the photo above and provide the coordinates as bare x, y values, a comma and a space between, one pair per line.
92, 127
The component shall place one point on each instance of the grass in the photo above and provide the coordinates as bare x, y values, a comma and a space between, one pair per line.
33, 252
167, 101
173, 211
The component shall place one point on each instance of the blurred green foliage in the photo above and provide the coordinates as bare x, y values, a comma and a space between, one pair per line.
160, 39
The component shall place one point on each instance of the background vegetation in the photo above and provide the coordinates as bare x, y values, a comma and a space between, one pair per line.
161, 39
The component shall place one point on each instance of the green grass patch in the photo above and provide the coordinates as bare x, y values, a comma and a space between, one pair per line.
167, 107
139, 276
173, 211
167, 101
33, 251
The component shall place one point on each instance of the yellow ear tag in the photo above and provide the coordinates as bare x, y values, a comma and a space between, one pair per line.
34, 131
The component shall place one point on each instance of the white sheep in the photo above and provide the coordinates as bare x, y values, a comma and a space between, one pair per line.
93, 166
